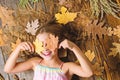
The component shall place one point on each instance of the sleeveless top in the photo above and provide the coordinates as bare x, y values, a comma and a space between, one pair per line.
48, 73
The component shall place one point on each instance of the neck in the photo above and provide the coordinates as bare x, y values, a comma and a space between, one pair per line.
53, 61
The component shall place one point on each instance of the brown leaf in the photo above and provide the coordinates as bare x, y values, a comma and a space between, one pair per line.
7, 17
97, 69
95, 29
107, 71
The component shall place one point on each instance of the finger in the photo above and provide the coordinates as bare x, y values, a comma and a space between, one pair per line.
59, 46
31, 46
27, 46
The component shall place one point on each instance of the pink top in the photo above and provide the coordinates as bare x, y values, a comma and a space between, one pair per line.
48, 73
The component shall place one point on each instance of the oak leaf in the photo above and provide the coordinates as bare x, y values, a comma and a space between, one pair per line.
33, 27
65, 16
94, 29
14, 45
52, 42
90, 55
38, 46
116, 50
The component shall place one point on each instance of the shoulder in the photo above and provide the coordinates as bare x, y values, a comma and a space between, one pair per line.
69, 64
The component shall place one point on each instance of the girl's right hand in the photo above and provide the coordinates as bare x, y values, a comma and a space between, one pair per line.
25, 46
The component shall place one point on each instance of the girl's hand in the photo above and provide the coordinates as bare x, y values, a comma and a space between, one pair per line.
25, 46
67, 44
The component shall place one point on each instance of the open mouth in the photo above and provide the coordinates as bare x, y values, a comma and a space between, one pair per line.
47, 53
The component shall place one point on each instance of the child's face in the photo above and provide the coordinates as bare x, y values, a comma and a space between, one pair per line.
46, 53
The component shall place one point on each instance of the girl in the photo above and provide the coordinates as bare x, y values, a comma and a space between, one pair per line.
49, 66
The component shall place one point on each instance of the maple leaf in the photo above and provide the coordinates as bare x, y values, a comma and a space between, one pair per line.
7, 17
33, 27
38, 46
14, 45
116, 31
116, 50
52, 42
65, 16
90, 55
95, 29
110, 31
97, 69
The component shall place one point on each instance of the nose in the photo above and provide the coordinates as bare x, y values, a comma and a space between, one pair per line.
44, 44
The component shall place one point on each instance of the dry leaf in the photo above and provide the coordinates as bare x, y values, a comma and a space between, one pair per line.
61, 2
3, 38
107, 71
38, 46
33, 27
116, 50
97, 69
110, 31
95, 29
116, 31
65, 16
90, 55
14, 45
7, 17
52, 42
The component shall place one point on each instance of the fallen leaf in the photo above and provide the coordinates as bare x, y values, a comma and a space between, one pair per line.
3, 38
108, 74
116, 31
90, 55
94, 29
38, 46
110, 31
14, 45
7, 17
52, 42
33, 27
116, 50
97, 69
65, 16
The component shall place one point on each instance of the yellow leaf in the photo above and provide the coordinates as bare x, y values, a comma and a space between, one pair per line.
116, 31
14, 45
38, 46
97, 69
116, 50
65, 16
90, 55
110, 31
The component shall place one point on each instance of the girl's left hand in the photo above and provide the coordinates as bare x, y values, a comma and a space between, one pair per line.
67, 44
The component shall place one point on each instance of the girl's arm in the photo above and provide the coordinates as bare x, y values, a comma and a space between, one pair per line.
12, 66
84, 69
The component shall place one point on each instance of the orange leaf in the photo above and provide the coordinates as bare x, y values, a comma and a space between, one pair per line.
52, 42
